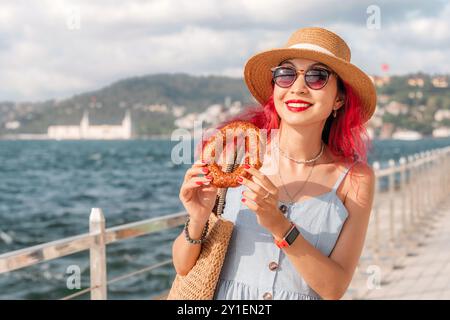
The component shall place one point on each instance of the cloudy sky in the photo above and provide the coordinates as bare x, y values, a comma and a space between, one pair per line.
54, 49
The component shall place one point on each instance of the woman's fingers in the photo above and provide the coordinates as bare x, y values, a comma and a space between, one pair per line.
253, 186
195, 171
265, 182
194, 183
250, 195
252, 205
199, 163
198, 181
209, 188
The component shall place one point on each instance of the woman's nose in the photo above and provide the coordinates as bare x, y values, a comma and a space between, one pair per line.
299, 85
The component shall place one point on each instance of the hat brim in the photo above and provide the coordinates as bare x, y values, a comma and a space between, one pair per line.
258, 77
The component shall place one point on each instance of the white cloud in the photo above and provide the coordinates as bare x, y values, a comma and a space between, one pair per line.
41, 57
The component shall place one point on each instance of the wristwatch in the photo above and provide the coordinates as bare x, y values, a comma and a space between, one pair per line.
288, 238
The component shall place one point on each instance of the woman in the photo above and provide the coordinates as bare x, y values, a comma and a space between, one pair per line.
298, 233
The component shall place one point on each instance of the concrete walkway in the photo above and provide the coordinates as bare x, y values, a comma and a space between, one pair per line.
424, 275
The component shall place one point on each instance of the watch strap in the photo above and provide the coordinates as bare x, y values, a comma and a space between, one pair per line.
288, 238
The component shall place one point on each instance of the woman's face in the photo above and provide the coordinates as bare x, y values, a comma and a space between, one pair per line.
321, 102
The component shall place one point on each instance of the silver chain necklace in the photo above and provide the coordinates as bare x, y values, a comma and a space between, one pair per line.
299, 162
285, 189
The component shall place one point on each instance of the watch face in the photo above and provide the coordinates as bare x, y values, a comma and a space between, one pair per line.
290, 238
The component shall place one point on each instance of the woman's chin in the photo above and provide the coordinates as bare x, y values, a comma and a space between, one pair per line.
295, 119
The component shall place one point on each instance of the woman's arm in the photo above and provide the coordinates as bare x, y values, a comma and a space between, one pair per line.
184, 253
198, 198
331, 276
328, 276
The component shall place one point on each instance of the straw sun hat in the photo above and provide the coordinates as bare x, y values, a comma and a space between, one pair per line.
315, 44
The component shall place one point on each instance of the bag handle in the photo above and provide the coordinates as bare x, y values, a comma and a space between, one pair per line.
222, 193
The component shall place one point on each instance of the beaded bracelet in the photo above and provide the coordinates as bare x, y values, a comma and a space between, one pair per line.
202, 238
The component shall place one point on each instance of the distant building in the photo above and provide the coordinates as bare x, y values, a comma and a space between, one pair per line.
376, 121
186, 122
12, 125
441, 115
161, 108
416, 82
396, 108
440, 82
371, 133
383, 98
380, 81
213, 115
406, 135
178, 111
92, 132
441, 132
386, 131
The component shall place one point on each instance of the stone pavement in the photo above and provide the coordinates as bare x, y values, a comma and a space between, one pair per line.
422, 275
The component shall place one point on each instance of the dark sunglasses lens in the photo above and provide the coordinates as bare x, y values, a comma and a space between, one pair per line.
316, 78
284, 77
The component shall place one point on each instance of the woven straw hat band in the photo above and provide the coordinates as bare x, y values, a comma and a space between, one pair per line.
320, 40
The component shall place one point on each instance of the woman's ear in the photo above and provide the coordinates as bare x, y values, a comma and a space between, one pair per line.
339, 102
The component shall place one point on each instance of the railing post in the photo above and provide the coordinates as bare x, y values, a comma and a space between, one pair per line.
376, 221
446, 167
422, 187
442, 175
403, 194
98, 255
446, 171
411, 185
392, 233
432, 168
417, 183
428, 190
410, 231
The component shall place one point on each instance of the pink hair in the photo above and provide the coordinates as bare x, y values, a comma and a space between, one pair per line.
345, 135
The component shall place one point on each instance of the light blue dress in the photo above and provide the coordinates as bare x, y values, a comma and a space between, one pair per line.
255, 268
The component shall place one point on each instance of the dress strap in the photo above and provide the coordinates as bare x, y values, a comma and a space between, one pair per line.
342, 176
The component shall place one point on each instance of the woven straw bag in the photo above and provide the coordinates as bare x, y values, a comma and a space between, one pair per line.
201, 281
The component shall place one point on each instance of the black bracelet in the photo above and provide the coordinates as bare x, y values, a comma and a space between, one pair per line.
203, 237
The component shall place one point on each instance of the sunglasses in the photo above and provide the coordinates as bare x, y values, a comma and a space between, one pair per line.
315, 78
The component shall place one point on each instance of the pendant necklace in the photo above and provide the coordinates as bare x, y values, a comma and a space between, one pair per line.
285, 204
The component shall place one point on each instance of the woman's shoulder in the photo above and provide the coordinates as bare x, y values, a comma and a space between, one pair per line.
355, 167
360, 176
361, 182
361, 170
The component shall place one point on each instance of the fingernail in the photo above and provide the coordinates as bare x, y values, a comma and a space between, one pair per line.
239, 179
209, 177
199, 183
243, 200
246, 166
203, 161
205, 170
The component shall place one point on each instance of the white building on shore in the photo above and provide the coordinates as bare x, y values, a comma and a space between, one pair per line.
441, 132
92, 132
407, 135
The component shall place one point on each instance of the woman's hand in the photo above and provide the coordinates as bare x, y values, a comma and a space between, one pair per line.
262, 198
197, 194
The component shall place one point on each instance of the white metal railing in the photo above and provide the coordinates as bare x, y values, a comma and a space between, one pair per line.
424, 182
95, 241
402, 215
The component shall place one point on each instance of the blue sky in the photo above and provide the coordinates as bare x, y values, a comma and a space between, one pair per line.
54, 49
